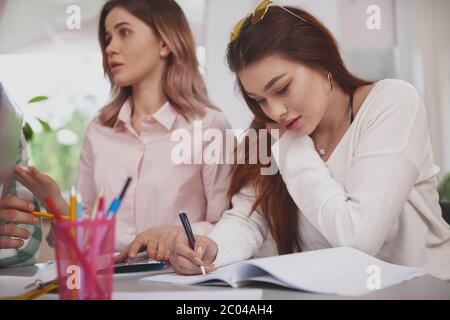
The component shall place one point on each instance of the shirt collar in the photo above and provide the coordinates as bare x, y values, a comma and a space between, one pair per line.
124, 116
166, 115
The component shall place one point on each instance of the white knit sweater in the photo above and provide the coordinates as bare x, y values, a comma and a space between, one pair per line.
376, 193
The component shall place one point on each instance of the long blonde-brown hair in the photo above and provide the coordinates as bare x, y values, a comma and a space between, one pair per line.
183, 85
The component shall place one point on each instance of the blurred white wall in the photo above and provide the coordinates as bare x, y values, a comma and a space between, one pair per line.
219, 21
422, 58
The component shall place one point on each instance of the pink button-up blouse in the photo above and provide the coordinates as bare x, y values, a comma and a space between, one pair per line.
160, 188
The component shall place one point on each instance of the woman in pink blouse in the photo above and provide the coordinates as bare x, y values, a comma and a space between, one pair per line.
149, 56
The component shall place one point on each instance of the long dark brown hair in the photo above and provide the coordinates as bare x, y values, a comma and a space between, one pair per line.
183, 84
311, 44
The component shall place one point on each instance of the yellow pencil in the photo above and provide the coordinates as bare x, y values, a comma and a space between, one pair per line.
73, 205
36, 293
47, 215
73, 231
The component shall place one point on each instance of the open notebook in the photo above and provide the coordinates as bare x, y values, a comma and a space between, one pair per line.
336, 271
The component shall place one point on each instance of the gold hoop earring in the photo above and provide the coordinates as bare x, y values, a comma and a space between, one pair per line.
330, 80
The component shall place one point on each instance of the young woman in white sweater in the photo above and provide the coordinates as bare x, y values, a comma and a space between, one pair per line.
355, 159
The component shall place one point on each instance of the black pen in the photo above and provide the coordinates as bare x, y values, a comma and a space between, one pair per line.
187, 228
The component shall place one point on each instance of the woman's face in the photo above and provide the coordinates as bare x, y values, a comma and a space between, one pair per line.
288, 92
132, 48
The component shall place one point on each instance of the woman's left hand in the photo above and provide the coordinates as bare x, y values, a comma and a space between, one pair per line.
158, 241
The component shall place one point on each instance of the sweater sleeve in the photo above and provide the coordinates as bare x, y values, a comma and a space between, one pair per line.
384, 168
240, 233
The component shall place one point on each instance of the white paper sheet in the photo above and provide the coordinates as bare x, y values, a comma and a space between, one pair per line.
335, 271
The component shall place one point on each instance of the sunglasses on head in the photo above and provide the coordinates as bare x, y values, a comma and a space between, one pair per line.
257, 16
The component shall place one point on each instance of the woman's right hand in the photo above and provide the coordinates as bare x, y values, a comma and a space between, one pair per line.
13, 211
187, 261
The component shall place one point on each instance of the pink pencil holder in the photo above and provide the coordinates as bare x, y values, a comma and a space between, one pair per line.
85, 258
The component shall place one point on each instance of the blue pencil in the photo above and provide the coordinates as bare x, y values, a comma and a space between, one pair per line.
115, 205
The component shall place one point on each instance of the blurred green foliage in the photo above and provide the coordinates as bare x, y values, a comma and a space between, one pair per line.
444, 188
27, 130
57, 160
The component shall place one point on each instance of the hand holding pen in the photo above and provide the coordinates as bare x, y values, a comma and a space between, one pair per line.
192, 254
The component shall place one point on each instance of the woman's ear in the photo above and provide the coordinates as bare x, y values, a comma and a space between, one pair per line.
164, 50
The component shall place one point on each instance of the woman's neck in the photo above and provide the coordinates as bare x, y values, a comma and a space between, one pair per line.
337, 111
147, 98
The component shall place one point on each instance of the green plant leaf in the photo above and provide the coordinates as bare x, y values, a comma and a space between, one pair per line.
38, 99
27, 131
444, 188
45, 126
